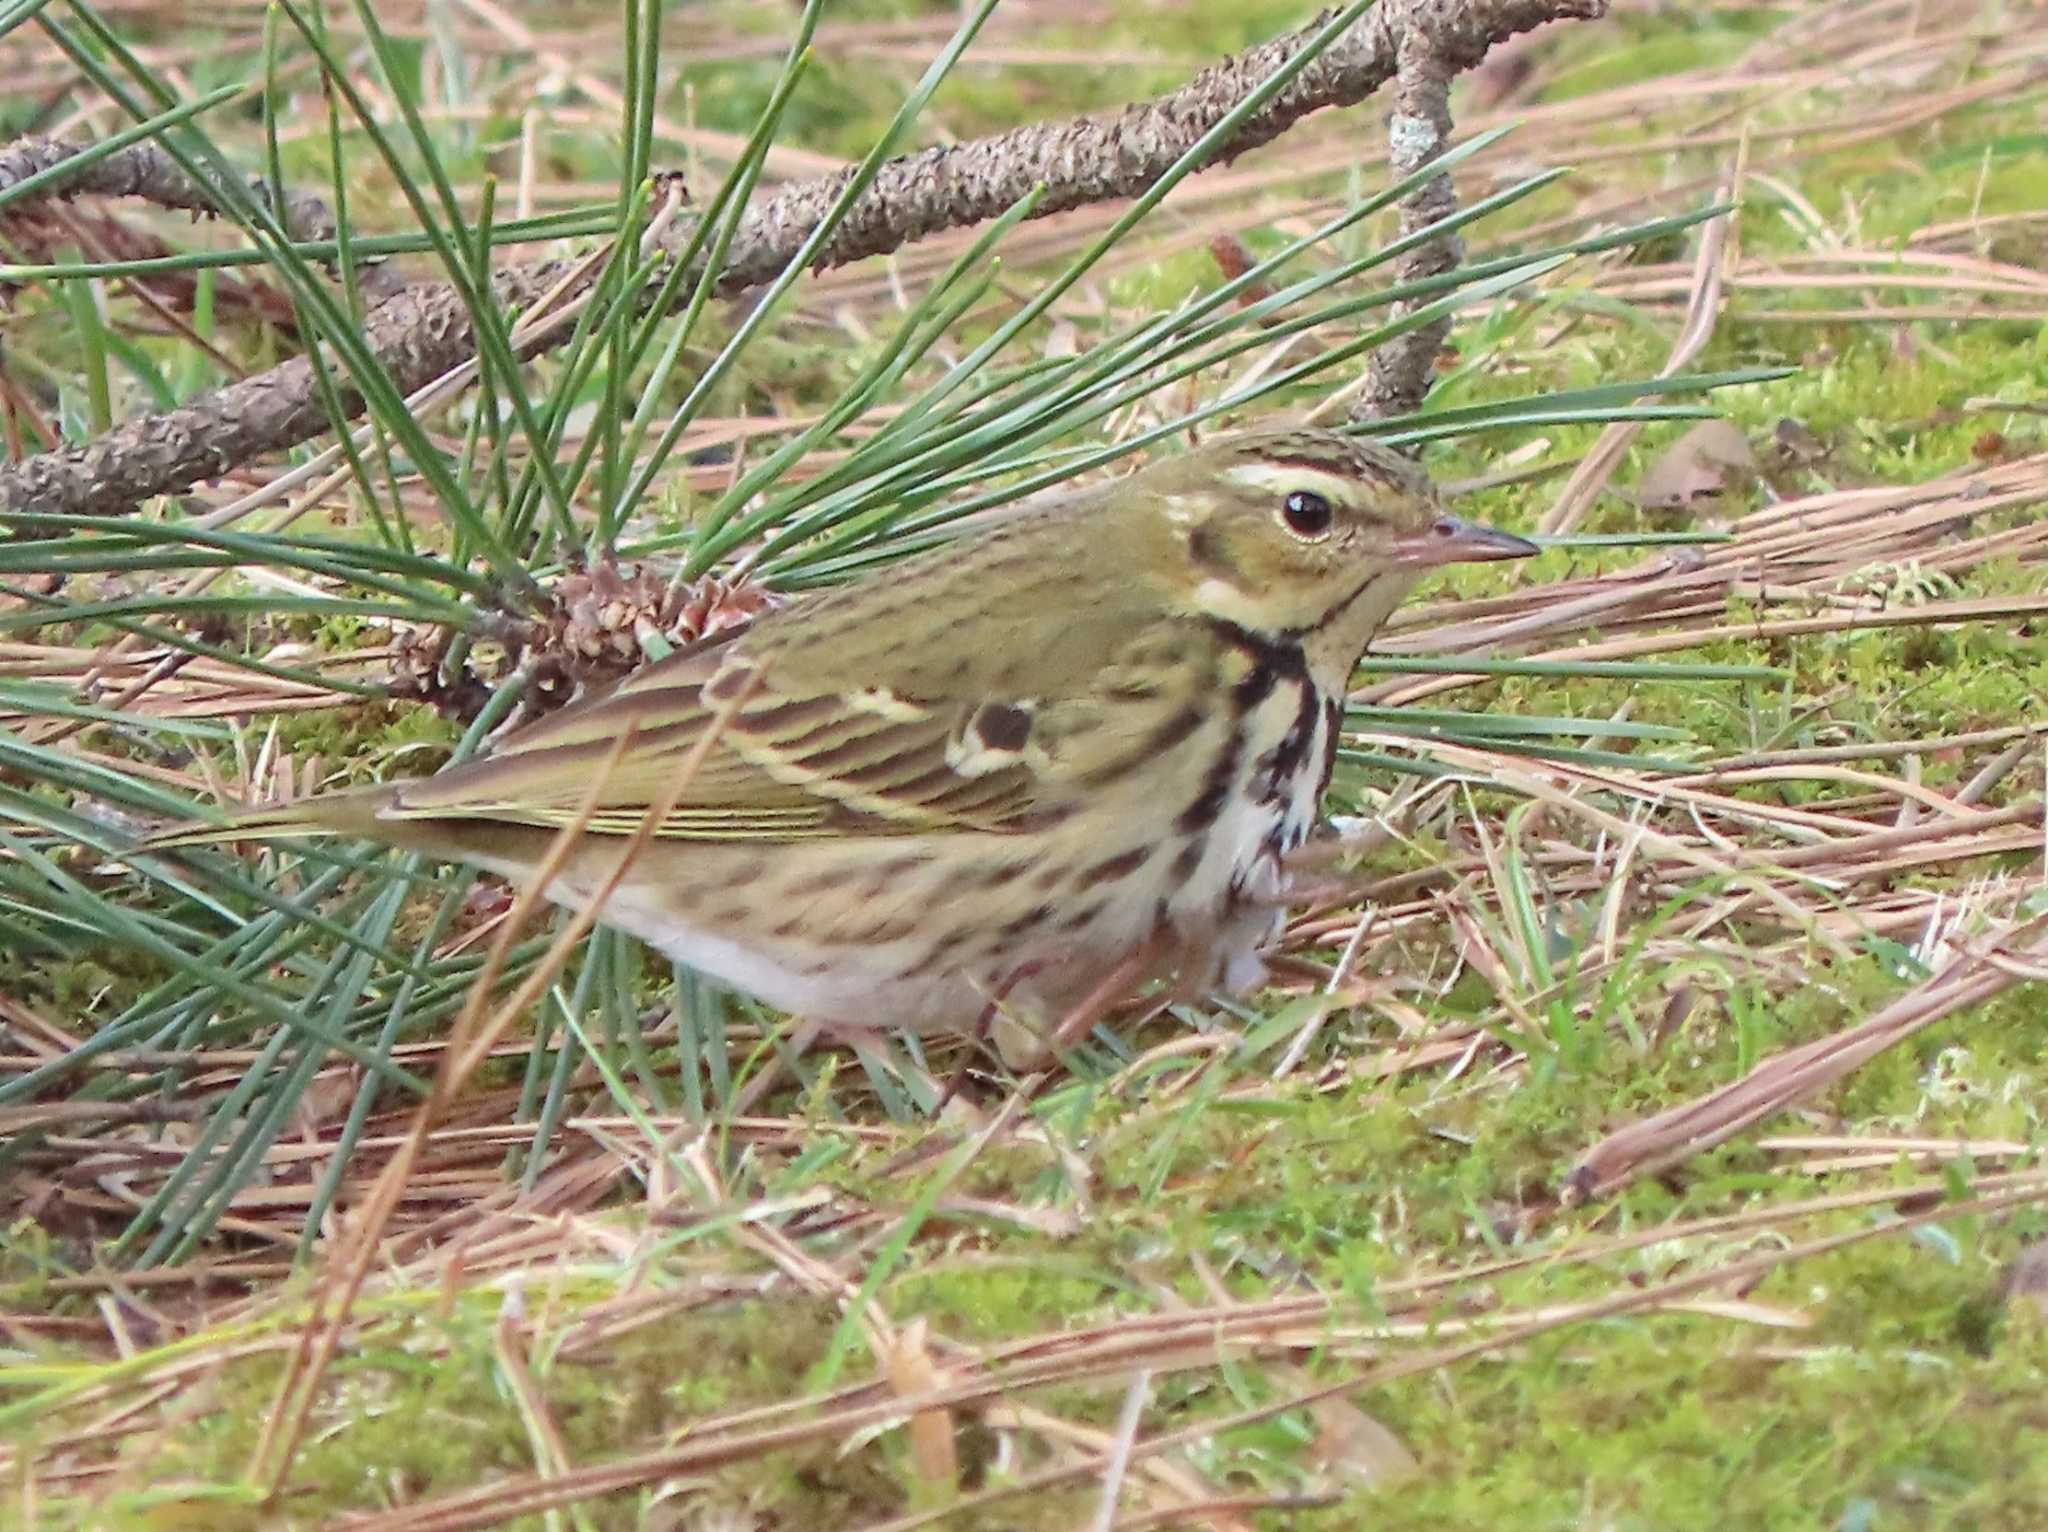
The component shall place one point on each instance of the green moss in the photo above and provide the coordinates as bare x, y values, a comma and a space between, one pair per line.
1910, 1401
981, 1298
1667, 1422
423, 1406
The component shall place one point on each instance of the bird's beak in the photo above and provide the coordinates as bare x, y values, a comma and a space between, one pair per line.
1448, 540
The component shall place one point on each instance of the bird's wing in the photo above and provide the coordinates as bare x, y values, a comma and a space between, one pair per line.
790, 757
938, 699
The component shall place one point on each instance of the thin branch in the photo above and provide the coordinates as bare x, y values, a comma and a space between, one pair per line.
424, 331
1398, 374
145, 171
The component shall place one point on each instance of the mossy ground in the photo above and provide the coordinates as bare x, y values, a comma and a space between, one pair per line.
1894, 1386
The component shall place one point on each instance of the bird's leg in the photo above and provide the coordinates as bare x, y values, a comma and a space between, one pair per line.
1140, 964
984, 1026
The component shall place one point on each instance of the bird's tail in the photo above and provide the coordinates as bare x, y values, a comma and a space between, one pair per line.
350, 813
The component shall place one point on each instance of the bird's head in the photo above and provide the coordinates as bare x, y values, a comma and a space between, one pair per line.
1298, 536
1291, 533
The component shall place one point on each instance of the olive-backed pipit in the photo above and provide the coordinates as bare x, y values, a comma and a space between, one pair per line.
997, 770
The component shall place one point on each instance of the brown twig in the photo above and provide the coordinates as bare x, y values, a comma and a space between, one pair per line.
148, 172
424, 331
1419, 130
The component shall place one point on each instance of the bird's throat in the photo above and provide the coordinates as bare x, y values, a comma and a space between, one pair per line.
1338, 641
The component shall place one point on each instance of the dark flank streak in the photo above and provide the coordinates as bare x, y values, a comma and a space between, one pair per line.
1039, 817
887, 931
1207, 806
1050, 876
939, 954
1030, 920
970, 876
1084, 917
1113, 867
1176, 730
683, 897
829, 881
885, 877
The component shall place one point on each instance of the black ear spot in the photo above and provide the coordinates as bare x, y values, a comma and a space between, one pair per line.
1307, 513
1000, 726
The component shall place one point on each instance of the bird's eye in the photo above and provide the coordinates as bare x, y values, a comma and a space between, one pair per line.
1307, 513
